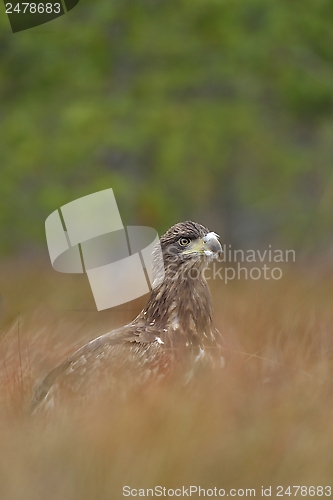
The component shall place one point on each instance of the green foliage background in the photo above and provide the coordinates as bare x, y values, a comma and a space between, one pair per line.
216, 110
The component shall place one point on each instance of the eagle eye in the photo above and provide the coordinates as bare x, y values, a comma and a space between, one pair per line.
184, 241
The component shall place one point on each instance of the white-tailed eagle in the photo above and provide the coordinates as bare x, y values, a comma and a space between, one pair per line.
174, 328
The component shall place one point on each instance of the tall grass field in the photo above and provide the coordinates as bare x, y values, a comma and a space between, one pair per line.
261, 426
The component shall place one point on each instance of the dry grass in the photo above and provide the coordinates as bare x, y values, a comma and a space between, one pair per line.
264, 420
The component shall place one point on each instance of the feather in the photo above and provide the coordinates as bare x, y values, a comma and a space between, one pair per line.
175, 328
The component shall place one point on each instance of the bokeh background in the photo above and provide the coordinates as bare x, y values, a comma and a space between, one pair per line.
219, 111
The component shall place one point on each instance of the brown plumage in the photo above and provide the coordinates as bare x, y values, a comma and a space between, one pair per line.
175, 328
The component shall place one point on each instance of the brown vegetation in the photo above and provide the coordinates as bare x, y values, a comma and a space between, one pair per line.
266, 419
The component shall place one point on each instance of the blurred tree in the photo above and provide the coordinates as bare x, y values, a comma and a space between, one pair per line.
218, 111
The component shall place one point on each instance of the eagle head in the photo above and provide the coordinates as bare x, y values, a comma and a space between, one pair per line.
189, 243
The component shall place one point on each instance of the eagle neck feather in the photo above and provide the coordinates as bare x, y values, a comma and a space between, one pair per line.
181, 308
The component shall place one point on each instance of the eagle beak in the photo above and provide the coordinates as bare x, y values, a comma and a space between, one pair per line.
211, 245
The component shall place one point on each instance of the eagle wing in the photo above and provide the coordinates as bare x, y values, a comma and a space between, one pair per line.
136, 352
